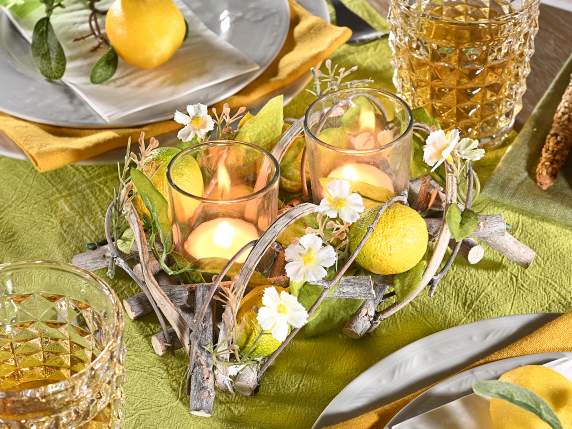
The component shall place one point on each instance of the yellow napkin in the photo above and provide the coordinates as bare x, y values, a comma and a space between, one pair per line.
550, 338
310, 40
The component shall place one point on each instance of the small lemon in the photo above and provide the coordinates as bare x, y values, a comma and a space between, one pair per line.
252, 340
397, 244
550, 385
145, 33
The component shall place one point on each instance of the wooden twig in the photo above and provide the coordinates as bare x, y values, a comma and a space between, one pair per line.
470, 250
201, 376
511, 248
161, 344
488, 225
93, 260
425, 193
361, 321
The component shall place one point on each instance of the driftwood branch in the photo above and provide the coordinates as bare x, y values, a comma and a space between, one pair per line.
93, 260
488, 225
161, 344
361, 321
511, 248
470, 250
201, 375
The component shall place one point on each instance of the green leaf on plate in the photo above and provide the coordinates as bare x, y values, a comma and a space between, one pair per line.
519, 396
47, 51
265, 128
104, 68
461, 223
405, 282
156, 204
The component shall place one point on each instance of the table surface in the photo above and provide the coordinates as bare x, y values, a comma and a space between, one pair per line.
553, 47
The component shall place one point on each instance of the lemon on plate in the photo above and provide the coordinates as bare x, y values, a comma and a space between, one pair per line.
397, 244
145, 33
550, 385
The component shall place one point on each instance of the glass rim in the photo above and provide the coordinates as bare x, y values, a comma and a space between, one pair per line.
244, 198
498, 20
116, 335
383, 92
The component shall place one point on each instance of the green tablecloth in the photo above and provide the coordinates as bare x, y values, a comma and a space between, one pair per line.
53, 215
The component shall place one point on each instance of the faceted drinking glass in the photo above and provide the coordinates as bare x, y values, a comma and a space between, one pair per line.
61, 348
465, 61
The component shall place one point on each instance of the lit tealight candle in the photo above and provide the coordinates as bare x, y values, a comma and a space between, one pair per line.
365, 173
220, 238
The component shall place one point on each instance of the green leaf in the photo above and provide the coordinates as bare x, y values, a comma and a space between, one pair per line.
125, 243
265, 128
104, 68
47, 51
406, 281
421, 115
186, 31
519, 396
156, 204
461, 224
331, 314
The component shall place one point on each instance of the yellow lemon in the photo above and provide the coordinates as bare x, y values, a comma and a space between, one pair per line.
252, 340
145, 33
397, 244
550, 385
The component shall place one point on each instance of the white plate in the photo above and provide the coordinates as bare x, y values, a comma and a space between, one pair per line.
257, 28
461, 384
9, 149
426, 361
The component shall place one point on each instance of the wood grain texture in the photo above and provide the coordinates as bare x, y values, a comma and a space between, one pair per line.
553, 45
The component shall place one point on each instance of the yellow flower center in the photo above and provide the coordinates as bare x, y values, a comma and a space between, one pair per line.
282, 309
309, 257
336, 203
197, 122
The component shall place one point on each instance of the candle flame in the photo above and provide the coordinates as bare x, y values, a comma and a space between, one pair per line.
223, 180
349, 173
224, 234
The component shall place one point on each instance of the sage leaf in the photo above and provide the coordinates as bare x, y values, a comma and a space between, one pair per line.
461, 223
47, 51
156, 204
403, 283
104, 68
265, 128
519, 396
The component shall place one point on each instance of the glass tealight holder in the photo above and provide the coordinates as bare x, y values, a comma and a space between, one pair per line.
61, 348
363, 136
223, 195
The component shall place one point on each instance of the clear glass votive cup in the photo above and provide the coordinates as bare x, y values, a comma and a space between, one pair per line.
466, 62
61, 348
223, 195
363, 136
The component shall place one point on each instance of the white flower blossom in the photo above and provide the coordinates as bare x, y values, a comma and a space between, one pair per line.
279, 312
340, 202
469, 149
308, 259
439, 146
196, 124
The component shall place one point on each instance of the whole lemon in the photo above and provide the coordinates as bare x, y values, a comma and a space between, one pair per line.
252, 340
145, 33
550, 385
397, 243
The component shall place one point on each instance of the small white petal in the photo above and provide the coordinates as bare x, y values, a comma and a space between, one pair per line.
266, 317
292, 252
186, 134
280, 330
311, 241
295, 271
201, 110
298, 318
192, 110
270, 298
181, 118
315, 273
326, 256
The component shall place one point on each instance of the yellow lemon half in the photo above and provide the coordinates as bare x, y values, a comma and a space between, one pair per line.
397, 244
145, 33
550, 385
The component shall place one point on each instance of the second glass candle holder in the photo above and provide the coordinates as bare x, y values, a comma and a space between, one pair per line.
362, 135
224, 194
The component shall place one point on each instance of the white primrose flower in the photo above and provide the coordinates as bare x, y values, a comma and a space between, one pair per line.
308, 259
469, 149
196, 124
439, 146
340, 202
279, 312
